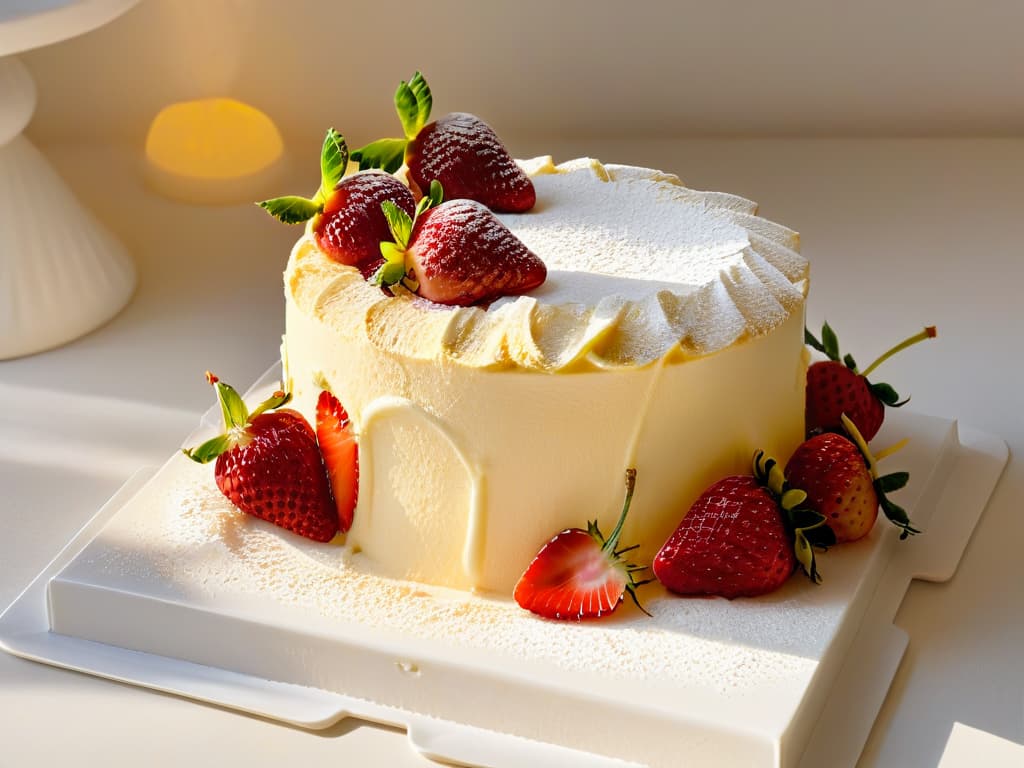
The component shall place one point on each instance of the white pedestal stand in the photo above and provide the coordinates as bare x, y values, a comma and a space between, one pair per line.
61, 273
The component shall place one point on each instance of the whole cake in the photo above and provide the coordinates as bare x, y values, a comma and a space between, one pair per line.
478, 352
668, 336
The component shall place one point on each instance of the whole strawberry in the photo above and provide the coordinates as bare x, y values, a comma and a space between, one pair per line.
580, 574
457, 253
269, 465
743, 537
835, 387
459, 150
842, 484
348, 224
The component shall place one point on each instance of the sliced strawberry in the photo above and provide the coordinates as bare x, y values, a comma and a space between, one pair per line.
269, 466
460, 151
579, 574
835, 388
348, 222
842, 483
340, 450
743, 537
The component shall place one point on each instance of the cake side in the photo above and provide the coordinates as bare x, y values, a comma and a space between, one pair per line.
483, 432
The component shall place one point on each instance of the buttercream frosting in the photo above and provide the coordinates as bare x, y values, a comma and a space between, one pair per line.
639, 266
668, 337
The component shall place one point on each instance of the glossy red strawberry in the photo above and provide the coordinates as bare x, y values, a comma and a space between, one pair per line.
466, 156
269, 466
340, 451
351, 226
579, 574
743, 537
459, 150
842, 484
348, 223
835, 387
458, 253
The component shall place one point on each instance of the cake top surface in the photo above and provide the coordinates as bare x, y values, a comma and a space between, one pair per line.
639, 267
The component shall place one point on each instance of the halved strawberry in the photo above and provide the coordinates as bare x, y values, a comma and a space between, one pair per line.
743, 537
579, 574
269, 465
457, 253
842, 483
835, 388
348, 224
460, 151
340, 450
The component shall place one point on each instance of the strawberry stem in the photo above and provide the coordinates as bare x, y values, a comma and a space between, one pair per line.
612, 542
928, 333
879, 455
862, 444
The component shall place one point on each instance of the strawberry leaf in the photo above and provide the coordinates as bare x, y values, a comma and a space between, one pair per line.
231, 405
390, 272
436, 193
291, 209
386, 154
392, 252
812, 341
887, 395
399, 222
892, 482
805, 556
849, 362
830, 342
413, 102
898, 516
333, 162
208, 451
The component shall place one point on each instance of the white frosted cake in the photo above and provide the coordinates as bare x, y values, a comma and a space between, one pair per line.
668, 337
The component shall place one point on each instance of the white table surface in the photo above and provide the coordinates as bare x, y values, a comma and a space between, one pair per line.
900, 234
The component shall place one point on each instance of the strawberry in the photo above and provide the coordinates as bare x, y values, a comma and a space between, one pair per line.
842, 484
269, 466
460, 151
580, 574
456, 253
340, 450
835, 387
348, 224
742, 537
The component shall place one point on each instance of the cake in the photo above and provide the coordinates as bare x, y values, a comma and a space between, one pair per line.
638, 328
668, 336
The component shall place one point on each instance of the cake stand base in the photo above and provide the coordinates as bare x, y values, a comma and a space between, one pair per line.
61, 273
806, 706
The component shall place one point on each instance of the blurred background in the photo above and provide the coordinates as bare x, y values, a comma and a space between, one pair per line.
540, 69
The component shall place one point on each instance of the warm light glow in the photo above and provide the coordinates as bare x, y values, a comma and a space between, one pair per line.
212, 150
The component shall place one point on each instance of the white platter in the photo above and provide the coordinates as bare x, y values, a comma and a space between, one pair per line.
792, 663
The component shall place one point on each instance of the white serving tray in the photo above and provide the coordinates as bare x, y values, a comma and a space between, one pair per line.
803, 718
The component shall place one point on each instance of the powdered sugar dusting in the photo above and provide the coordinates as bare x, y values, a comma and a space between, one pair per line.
197, 544
633, 228
688, 269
